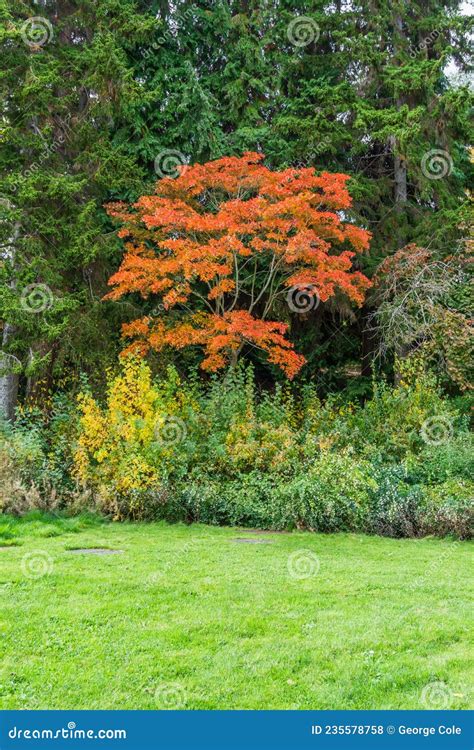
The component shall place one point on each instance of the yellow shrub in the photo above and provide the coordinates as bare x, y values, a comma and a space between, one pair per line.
264, 446
119, 450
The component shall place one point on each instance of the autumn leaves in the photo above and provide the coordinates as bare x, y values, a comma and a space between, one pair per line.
223, 243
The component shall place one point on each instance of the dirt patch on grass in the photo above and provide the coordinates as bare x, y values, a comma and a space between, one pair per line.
241, 540
265, 531
94, 551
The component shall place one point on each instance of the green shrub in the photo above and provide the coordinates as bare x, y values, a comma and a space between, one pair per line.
21, 463
333, 495
36, 460
400, 508
449, 509
449, 460
396, 506
242, 501
227, 453
396, 422
338, 493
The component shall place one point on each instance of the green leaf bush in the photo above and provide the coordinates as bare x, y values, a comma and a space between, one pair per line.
277, 459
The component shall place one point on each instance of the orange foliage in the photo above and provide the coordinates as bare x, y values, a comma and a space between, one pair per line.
222, 243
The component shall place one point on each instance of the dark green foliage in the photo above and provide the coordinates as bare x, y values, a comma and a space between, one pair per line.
378, 93
453, 459
396, 506
449, 510
67, 114
120, 82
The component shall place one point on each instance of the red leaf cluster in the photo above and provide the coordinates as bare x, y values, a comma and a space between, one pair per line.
222, 242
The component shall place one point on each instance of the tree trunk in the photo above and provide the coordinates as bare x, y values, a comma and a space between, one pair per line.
8, 378
400, 179
369, 343
400, 192
399, 163
39, 385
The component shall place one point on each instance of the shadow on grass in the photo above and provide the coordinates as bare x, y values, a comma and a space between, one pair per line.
43, 525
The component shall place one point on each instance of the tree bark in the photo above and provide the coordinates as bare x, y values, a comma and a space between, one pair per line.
399, 178
369, 343
400, 192
8, 377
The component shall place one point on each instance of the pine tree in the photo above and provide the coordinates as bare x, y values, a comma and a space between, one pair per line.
67, 92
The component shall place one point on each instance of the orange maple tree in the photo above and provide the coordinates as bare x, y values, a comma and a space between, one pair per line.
223, 243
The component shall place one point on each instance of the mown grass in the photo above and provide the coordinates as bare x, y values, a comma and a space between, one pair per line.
186, 617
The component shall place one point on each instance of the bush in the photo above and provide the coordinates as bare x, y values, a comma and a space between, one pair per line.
24, 484
15, 496
449, 509
396, 507
243, 501
400, 508
332, 496
339, 493
396, 422
36, 461
229, 454
449, 460
126, 448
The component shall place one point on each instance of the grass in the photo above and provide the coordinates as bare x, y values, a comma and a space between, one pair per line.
186, 617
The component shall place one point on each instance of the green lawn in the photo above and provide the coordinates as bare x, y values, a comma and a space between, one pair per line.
186, 617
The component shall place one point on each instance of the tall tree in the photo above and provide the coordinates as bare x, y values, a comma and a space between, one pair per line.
224, 244
66, 94
100, 98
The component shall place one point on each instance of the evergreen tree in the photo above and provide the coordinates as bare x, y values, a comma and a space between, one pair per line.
99, 99
67, 97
